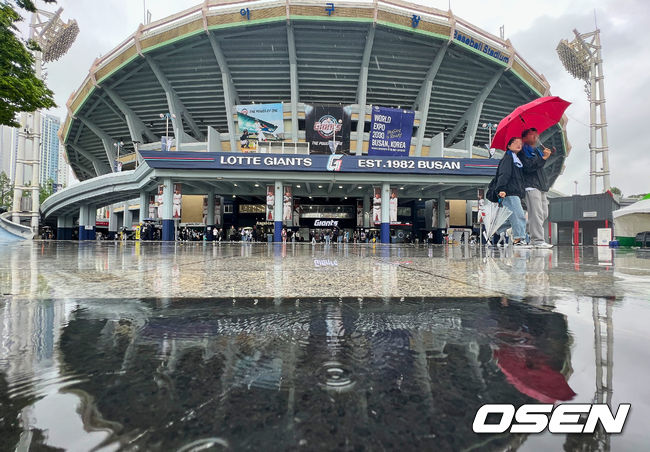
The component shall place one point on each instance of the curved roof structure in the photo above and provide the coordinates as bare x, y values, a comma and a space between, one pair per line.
200, 63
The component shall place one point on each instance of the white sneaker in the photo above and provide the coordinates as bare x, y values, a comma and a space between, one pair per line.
520, 245
543, 245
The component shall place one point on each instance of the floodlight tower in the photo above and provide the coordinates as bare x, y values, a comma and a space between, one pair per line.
582, 59
54, 38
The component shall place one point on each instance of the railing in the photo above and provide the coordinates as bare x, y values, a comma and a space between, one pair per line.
22, 232
280, 147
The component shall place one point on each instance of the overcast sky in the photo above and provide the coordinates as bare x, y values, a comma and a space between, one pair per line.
534, 29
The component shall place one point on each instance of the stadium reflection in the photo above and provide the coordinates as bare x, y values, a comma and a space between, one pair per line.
319, 373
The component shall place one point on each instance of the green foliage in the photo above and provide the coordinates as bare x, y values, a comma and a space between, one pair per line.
20, 89
46, 191
6, 192
615, 190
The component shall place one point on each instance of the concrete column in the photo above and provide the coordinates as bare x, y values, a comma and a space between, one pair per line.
128, 217
83, 220
60, 228
468, 212
91, 223
144, 206
69, 226
442, 221
168, 233
366, 211
277, 213
385, 213
209, 221
112, 223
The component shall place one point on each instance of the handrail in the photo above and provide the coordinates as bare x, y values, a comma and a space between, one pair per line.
22, 232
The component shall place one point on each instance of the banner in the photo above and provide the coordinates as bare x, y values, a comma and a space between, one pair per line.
259, 122
392, 205
480, 218
153, 212
320, 163
177, 199
159, 201
390, 131
376, 206
270, 202
287, 206
296, 212
359, 213
166, 143
327, 129
217, 211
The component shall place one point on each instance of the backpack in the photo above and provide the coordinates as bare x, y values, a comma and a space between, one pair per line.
491, 192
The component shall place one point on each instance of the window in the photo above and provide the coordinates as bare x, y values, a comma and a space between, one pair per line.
227, 208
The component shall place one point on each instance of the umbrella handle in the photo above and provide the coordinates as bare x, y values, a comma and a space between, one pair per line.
500, 202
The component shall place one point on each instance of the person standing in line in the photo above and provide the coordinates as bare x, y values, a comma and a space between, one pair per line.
536, 185
510, 188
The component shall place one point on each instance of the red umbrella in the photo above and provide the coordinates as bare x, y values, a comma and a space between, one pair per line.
527, 370
540, 114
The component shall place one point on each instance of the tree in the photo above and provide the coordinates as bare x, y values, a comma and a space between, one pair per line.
20, 88
46, 191
616, 191
6, 192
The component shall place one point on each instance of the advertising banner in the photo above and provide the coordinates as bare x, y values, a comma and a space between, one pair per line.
392, 205
177, 199
159, 201
153, 212
296, 212
359, 213
376, 206
320, 163
390, 131
270, 202
218, 218
481, 206
167, 143
327, 129
287, 206
259, 122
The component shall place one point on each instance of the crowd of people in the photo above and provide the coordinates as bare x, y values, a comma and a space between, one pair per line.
520, 176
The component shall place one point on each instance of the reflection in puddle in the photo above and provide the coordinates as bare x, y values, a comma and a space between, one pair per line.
258, 373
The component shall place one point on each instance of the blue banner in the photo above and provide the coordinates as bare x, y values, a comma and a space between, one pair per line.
390, 131
315, 163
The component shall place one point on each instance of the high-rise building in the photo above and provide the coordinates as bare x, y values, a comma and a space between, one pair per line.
64, 168
50, 145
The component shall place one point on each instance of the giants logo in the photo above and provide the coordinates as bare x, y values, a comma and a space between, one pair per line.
334, 163
326, 126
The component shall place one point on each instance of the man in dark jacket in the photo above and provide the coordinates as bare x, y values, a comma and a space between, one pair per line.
536, 185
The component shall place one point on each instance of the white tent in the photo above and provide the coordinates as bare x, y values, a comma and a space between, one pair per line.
631, 220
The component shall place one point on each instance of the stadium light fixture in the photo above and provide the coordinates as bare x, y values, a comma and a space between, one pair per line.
583, 60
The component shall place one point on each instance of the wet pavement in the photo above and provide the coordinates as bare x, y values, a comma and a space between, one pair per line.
245, 346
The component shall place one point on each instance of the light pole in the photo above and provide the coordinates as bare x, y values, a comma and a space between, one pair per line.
576, 182
583, 60
340, 121
167, 117
54, 37
490, 128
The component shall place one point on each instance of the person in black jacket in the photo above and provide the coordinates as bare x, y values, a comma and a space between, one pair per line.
536, 186
510, 188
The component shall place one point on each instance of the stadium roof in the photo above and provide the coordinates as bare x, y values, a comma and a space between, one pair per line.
201, 61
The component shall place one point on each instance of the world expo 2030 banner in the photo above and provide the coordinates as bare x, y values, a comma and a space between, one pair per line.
390, 131
327, 128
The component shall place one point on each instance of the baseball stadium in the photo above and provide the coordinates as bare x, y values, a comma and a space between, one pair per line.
293, 115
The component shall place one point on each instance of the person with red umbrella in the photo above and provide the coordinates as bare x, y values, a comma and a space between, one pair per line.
509, 187
536, 185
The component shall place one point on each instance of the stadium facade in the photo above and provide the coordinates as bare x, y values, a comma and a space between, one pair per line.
281, 107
